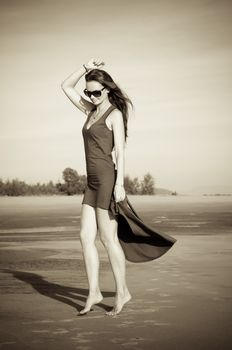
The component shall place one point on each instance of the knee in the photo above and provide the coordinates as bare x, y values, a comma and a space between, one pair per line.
107, 238
86, 237
83, 236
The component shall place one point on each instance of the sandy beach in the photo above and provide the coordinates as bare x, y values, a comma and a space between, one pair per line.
182, 300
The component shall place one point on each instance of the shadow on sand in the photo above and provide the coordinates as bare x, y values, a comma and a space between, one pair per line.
56, 291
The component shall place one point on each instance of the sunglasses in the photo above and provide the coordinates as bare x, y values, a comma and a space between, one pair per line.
95, 93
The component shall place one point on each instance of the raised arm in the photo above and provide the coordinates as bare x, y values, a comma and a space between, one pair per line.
68, 86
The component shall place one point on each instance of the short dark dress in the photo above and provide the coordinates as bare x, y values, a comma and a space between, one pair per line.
100, 168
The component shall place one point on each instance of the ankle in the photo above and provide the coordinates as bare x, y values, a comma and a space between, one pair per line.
122, 292
93, 292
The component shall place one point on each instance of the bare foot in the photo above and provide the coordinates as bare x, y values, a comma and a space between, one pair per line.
121, 300
91, 300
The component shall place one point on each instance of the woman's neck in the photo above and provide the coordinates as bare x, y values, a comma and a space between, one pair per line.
103, 107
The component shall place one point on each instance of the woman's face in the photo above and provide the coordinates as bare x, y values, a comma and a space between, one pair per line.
96, 86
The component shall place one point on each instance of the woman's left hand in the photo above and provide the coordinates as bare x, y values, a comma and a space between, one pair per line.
119, 193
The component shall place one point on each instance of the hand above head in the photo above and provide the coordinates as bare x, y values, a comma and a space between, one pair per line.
94, 63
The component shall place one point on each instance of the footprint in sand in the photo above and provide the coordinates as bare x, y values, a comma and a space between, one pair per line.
128, 322
155, 323
68, 320
164, 295
78, 339
152, 289
35, 322
40, 331
117, 340
168, 306
122, 325
141, 311
88, 333
130, 343
60, 331
83, 341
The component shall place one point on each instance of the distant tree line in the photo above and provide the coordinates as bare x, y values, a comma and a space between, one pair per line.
73, 184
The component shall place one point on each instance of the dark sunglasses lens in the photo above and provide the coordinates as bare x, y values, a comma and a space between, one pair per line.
96, 93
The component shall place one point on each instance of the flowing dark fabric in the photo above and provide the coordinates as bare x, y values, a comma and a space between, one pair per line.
139, 241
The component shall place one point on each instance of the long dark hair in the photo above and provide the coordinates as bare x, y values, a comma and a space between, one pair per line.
116, 97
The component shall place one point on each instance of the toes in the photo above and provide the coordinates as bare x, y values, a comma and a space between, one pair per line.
112, 313
84, 312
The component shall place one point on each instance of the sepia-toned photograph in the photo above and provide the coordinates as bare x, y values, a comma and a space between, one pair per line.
115, 175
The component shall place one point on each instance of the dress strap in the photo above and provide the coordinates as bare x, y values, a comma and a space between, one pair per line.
107, 112
101, 119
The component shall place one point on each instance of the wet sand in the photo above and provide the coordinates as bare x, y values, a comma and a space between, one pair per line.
181, 300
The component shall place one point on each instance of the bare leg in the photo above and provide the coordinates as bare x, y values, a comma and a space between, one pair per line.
88, 233
108, 233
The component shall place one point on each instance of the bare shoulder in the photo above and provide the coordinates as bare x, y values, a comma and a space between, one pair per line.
116, 116
114, 119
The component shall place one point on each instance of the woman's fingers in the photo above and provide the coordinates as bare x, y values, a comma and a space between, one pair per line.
95, 62
99, 62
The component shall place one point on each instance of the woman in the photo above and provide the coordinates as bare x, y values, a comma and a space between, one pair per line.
105, 128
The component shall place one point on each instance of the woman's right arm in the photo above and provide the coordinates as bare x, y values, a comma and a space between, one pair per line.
68, 86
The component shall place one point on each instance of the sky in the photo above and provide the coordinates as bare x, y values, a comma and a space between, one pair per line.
171, 57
